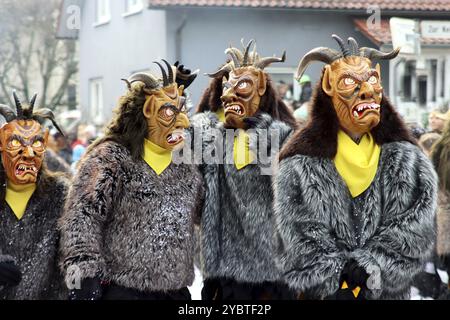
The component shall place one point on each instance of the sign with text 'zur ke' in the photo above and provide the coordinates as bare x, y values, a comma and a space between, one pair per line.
435, 29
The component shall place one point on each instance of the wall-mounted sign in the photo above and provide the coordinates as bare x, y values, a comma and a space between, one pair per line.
435, 29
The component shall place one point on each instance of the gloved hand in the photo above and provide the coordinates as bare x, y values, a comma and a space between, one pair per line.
10, 274
184, 76
91, 289
354, 275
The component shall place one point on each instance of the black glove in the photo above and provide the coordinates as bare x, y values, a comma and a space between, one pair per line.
184, 76
91, 289
10, 274
354, 275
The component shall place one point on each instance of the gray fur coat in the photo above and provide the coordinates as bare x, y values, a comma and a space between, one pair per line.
317, 232
237, 218
32, 243
126, 224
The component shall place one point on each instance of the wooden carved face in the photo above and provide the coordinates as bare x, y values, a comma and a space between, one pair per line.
241, 96
356, 91
165, 112
23, 144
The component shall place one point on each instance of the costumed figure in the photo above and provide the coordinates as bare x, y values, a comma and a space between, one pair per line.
127, 229
355, 198
32, 201
237, 219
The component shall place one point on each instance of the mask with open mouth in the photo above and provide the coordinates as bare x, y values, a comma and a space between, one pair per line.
352, 84
244, 84
23, 141
164, 108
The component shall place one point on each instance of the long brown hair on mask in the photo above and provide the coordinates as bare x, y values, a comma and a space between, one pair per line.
319, 137
128, 127
270, 103
210, 100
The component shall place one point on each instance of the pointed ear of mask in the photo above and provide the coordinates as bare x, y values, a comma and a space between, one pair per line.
262, 83
326, 81
146, 109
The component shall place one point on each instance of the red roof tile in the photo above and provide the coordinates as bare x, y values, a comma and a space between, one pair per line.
402, 5
382, 35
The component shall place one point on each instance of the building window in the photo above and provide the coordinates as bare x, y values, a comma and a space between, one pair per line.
96, 101
102, 11
133, 6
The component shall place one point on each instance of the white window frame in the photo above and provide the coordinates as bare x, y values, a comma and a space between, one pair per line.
132, 7
102, 12
96, 102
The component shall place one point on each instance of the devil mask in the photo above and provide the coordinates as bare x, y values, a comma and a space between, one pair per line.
164, 108
244, 83
353, 85
23, 141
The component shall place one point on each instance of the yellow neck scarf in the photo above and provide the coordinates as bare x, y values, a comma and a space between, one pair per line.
241, 152
220, 113
17, 197
357, 163
156, 157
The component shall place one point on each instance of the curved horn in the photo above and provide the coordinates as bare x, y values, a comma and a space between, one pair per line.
150, 81
247, 49
169, 68
264, 62
372, 53
222, 71
7, 113
43, 114
18, 105
164, 74
32, 102
322, 54
344, 49
232, 52
354, 44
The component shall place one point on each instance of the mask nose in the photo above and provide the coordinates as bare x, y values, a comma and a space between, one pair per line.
228, 96
28, 153
366, 92
182, 121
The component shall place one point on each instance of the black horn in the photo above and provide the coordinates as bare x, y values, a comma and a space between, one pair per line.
18, 105
164, 74
344, 49
169, 68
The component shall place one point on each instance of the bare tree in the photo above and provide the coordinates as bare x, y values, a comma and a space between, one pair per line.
32, 59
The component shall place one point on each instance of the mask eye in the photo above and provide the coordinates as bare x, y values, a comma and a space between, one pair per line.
243, 85
349, 81
166, 113
15, 143
37, 144
372, 80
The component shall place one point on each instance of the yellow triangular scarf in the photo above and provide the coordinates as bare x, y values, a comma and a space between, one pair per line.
241, 151
17, 197
357, 163
355, 291
156, 157
220, 113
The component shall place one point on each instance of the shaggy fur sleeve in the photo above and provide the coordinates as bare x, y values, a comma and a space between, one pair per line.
306, 248
88, 204
406, 233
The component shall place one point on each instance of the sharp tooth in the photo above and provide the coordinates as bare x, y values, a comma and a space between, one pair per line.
355, 114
